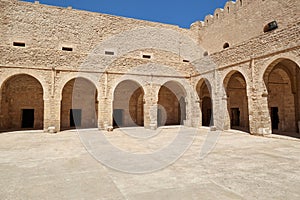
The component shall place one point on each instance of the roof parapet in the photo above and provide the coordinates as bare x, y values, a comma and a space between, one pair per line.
230, 8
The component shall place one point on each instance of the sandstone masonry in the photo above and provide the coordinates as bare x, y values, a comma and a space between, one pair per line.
67, 68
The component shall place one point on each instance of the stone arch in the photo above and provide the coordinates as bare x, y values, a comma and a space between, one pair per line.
229, 73
204, 92
128, 104
79, 104
235, 86
282, 81
268, 65
135, 79
37, 76
171, 104
22, 103
64, 79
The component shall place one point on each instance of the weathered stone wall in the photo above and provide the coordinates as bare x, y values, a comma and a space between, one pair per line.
176, 56
242, 20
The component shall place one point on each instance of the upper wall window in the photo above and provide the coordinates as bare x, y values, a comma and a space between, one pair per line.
226, 45
228, 9
110, 53
271, 26
67, 48
19, 44
146, 56
241, 2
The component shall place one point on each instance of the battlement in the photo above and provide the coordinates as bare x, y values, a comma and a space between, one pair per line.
230, 8
241, 20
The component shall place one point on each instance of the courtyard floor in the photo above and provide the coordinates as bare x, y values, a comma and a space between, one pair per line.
36, 165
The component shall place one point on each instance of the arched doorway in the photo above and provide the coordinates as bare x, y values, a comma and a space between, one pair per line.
237, 101
171, 104
79, 105
282, 79
22, 104
204, 92
128, 105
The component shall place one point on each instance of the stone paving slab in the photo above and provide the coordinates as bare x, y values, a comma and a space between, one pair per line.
35, 165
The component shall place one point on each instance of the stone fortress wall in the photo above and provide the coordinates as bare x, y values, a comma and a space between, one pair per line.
133, 72
242, 20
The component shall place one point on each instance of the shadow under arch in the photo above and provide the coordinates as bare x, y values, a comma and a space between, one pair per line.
282, 81
64, 79
79, 104
128, 104
204, 91
22, 103
171, 104
237, 100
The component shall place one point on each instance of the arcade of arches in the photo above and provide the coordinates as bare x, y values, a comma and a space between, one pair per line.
22, 102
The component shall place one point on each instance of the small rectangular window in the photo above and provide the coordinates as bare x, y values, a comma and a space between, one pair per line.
19, 44
110, 53
147, 56
186, 61
67, 48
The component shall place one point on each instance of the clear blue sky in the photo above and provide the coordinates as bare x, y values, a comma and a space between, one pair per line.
178, 12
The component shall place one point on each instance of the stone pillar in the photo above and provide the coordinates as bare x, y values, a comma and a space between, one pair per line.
216, 112
199, 114
150, 115
224, 112
150, 106
52, 108
105, 114
220, 111
188, 111
259, 116
297, 98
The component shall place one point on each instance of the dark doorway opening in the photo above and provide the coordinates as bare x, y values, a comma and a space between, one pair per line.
118, 118
75, 117
274, 118
235, 117
206, 108
206, 119
27, 118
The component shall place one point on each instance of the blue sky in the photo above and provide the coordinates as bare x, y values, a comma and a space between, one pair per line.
178, 12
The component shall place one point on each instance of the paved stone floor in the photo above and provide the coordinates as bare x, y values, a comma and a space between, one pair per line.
35, 165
